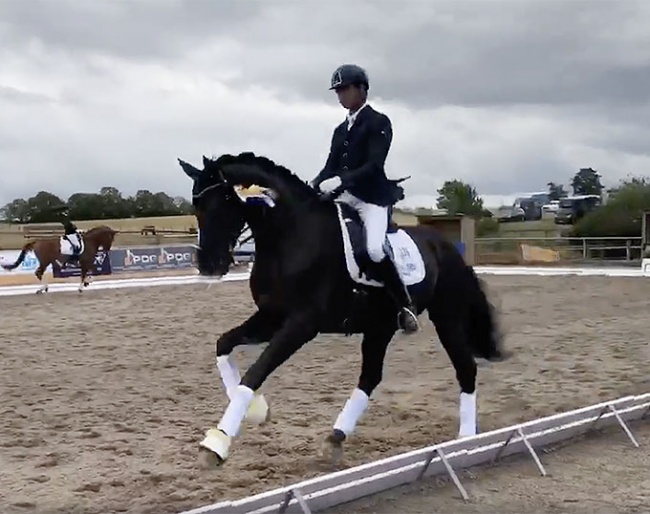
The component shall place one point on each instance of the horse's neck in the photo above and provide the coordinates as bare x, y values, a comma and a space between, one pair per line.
266, 227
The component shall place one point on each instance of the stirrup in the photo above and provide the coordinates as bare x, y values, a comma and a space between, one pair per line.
407, 320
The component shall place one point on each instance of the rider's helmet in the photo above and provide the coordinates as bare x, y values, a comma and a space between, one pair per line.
349, 74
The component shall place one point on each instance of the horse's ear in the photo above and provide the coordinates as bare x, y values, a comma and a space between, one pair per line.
189, 170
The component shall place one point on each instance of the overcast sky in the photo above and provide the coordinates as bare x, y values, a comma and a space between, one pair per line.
505, 95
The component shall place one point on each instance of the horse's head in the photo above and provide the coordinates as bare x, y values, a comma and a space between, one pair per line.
220, 215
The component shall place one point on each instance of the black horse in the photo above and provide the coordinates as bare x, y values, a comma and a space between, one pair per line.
308, 278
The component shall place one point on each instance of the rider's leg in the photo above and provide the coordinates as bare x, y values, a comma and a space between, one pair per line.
375, 219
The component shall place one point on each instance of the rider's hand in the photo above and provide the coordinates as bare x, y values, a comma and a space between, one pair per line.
329, 185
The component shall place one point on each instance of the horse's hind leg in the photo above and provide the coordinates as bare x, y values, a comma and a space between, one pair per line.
373, 351
453, 338
40, 273
83, 279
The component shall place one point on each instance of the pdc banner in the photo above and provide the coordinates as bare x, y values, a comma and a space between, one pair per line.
102, 267
152, 258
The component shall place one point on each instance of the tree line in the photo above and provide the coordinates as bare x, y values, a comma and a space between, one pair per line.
620, 216
458, 197
108, 203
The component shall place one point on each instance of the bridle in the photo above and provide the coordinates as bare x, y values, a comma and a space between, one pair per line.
207, 189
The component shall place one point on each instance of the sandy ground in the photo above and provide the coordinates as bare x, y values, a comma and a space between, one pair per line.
105, 395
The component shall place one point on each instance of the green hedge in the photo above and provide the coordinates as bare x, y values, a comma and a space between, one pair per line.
621, 217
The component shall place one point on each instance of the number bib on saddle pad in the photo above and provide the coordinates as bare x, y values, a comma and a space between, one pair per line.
67, 249
407, 256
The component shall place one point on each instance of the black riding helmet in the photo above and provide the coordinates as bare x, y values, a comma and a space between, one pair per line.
349, 74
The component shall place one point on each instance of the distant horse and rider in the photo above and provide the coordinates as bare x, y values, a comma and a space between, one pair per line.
74, 247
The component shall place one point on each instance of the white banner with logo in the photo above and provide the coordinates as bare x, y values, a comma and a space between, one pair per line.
28, 266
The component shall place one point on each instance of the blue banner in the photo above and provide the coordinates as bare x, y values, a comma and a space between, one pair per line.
102, 266
152, 258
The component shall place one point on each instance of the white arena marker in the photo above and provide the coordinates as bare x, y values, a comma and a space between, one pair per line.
327, 491
240, 276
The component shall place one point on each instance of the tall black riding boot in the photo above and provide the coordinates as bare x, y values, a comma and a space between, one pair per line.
407, 317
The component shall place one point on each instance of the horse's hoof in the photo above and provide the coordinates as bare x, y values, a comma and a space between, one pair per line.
209, 460
258, 411
214, 448
333, 446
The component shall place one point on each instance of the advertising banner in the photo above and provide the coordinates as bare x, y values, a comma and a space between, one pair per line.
152, 258
102, 267
28, 266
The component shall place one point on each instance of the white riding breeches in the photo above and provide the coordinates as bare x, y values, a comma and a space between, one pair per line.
375, 221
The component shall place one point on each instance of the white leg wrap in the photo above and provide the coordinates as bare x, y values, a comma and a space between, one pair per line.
236, 410
354, 407
467, 413
229, 374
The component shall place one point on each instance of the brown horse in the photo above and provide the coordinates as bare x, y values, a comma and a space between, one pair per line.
49, 250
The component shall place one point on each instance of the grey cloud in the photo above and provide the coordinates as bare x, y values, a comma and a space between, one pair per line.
466, 53
585, 66
423, 54
18, 96
137, 29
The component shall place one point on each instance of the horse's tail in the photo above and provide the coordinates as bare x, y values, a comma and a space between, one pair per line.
28, 247
485, 336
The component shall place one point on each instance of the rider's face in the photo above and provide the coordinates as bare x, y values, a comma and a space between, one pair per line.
350, 97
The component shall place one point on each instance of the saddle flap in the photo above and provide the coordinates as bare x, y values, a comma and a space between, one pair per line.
398, 245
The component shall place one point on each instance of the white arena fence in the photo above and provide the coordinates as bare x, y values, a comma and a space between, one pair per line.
444, 459
193, 278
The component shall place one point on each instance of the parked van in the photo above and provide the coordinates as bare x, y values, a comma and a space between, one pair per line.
573, 208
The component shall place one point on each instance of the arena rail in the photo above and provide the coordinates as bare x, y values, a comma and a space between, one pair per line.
446, 458
188, 279
72, 286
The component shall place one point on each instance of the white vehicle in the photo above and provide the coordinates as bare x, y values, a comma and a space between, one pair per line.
551, 206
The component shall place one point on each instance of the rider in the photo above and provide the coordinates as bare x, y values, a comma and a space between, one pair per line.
356, 164
71, 234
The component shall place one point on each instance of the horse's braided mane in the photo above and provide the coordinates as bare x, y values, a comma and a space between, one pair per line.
268, 167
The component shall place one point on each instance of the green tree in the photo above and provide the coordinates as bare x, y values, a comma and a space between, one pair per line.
42, 208
112, 205
621, 216
457, 197
184, 206
16, 211
108, 203
556, 191
84, 206
587, 182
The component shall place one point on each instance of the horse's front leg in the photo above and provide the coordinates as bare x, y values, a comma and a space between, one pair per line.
296, 330
373, 351
259, 328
